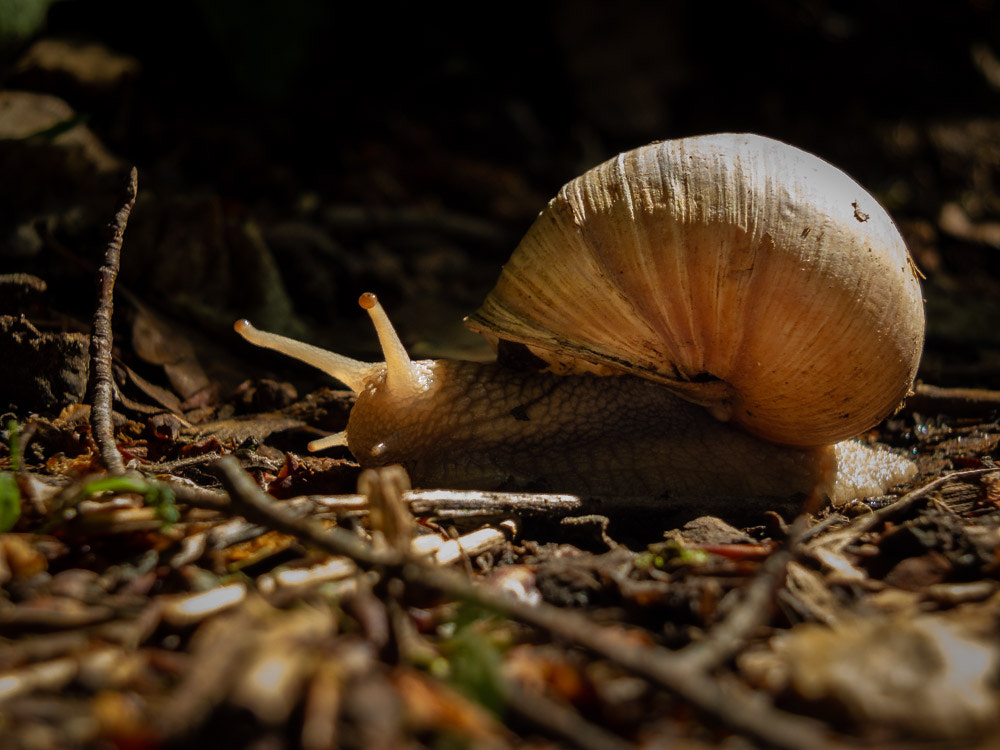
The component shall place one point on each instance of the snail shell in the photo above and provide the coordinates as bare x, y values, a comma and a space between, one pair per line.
743, 273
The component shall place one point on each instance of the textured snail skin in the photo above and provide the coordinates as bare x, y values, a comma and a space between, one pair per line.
486, 426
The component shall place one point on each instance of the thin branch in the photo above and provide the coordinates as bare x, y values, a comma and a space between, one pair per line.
522, 503
17, 287
865, 523
754, 610
442, 503
932, 399
558, 720
252, 503
198, 497
101, 339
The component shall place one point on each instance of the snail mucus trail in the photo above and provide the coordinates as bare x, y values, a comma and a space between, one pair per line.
775, 314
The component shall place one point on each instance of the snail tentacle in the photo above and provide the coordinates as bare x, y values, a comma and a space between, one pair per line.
335, 440
350, 372
402, 376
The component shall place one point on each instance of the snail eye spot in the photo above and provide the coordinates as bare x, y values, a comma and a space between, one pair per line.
520, 413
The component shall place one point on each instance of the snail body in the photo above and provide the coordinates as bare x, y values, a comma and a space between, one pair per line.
582, 433
715, 315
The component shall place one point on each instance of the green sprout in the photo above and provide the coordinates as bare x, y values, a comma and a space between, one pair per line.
157, 495
14, 445
10, 495
474, 657
10, 502
670, 555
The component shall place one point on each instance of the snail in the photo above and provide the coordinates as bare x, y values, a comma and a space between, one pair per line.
704, 318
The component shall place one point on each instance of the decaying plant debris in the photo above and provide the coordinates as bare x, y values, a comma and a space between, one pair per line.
177, 572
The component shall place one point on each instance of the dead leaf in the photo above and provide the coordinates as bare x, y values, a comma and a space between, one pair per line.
87, 64
433, 706
240, 429
923, 676
160, 395
157, 343
23, 114
19, 558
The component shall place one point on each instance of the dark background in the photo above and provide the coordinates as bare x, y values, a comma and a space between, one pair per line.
449, 128
310, 78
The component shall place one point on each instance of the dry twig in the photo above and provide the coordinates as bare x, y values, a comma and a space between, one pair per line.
391, 521
440, 502
101, 338
932, 399
558, 720
754, 610
863, 524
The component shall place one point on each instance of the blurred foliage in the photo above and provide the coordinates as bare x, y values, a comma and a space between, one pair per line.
475, 658
265, 43
10, 502
156, 495
10, 495
20, 20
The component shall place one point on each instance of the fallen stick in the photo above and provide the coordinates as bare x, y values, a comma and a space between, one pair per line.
932, 399
754, 610
447, 551
436, 501
183, 610
101, 384
421, 502
861, 525
558, 720
449, 502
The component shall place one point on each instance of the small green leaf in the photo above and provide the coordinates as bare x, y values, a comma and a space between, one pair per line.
13, 445
156, 494
51, 132
161, 499
10, 502
475, 659
670, 554
20, 20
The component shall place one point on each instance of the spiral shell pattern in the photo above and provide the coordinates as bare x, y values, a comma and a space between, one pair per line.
743, 273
